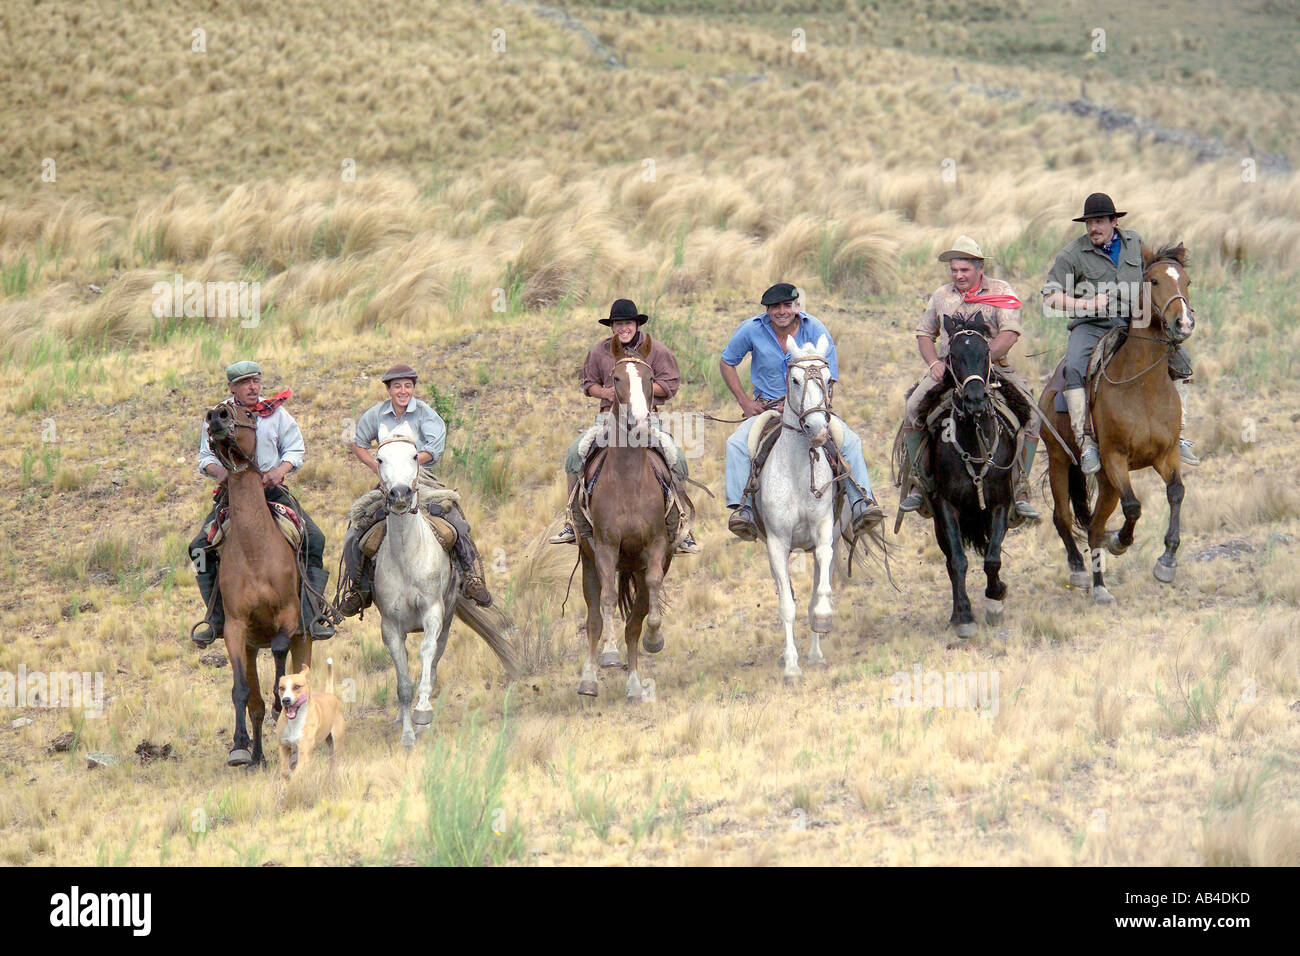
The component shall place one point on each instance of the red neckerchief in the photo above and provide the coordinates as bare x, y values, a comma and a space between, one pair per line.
997, 300
267, 406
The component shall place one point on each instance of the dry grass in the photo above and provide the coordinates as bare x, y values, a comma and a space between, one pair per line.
481, 247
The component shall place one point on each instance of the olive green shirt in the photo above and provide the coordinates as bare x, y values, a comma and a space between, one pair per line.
1081, 270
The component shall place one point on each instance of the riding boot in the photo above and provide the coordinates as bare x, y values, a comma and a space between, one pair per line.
1023, 505
1076, 400
742, 523
921, 480
473, 586
315, 612
567, 536
213, 625
1184, 444
358, 575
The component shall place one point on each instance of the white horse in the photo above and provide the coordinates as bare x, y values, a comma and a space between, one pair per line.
797, 500
417, 586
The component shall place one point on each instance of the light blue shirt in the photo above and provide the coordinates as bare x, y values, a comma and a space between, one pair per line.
278, 439
767, 366
429, 429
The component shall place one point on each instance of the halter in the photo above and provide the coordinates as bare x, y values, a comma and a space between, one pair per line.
1160, 314
986, 451
637, 360
415, 490
1166, 338
814, 367
223, 455
988, 362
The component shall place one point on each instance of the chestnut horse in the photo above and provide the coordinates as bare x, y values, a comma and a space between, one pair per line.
258, 577
627, 556
1136, 414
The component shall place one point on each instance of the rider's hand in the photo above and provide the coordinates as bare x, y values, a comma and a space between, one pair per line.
607, 393
1100, 301
275, 477
937, 371
217, 471
750, 407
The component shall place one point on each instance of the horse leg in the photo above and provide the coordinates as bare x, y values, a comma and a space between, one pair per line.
591, 594
256, 705
607, 567
652, 641
240, 754
1058, 471
300, 652
996, 590
433, 624
280, 653
1107, 498
641, 605
1166, 565
1117, 544
947, 531
778, 556
819, 613
395, 641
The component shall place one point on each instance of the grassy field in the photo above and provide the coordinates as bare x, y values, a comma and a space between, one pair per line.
401, 189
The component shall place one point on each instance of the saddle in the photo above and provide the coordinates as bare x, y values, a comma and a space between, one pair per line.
370, 510
286, 519
679, 510
1179, 367
762, 439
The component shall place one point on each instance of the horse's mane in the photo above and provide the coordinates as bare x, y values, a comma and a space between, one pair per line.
1173, 250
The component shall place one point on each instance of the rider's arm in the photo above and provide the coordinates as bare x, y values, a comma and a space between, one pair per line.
366, 458
433, 437
289, 441
366, 432
1064, 275
1002, 343
732, 378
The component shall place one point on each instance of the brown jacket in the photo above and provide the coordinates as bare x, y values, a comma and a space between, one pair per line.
599, 369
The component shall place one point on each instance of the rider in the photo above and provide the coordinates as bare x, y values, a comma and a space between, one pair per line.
969, 292
767, 338
431, 437
279, 453
598, 382
1095, 281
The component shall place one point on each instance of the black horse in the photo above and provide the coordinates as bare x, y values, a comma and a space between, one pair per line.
972, 451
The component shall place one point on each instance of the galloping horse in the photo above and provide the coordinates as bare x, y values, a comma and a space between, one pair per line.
1136, 415
258, 577
796, 512
972, 469
627, 556
417, 586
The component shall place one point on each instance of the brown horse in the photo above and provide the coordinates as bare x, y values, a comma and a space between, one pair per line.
1136, 416
627, 556
258, 577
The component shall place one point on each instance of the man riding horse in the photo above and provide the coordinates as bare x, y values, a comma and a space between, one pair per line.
970, 292
598, 382
1096, 280
427, 424
767, 338
280, 450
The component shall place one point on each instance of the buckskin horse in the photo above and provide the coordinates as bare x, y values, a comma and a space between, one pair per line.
973, 450
627, 555
1136, 415
258, 577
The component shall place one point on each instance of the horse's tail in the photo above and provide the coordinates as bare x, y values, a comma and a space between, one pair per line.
1082, 493
626, 592
492, 624
974, 528
896, 454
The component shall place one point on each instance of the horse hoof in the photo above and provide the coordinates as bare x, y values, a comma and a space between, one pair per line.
635, 698
652, 647
610, 659
239, 757
1101, 596
1113, 544
792, 680
814, 662
408, 740
993, 613
421, 718
821, 623
1081, 580
587, 688
1165, 573
965, 630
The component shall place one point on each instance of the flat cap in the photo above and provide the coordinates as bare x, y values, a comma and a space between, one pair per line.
781, 292
400, 370
242, 370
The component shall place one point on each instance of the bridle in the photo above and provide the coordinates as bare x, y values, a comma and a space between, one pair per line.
223, 453
1160, 313
637, 360
988, 362
813, 367
1166, 337
986, 450
415, 490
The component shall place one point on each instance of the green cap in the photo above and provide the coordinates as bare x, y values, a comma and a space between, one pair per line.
242, 370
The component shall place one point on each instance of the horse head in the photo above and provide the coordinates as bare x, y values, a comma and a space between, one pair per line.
223, 422
969, 362
1164, 292
807, 389
634, 381
398, 468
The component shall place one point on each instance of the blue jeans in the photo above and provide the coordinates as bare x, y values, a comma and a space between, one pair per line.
738, 463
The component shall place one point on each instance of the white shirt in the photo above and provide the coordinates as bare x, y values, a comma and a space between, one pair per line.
278, 439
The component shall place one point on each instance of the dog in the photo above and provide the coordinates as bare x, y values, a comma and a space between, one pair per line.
307, 719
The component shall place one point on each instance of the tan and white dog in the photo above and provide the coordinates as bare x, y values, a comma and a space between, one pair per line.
307, 718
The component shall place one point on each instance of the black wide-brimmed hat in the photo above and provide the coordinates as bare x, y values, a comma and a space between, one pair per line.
1096, 206
781, 292
399, 370
624, 309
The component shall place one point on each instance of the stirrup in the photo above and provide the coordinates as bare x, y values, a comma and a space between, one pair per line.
566, 536
688, 545
1026, 510
1090, 458
1185, 452
476, 590
866, 514
197, 636
742, 524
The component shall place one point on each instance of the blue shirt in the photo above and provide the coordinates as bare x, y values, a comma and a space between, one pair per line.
427, 425
767, 366
1113, 248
